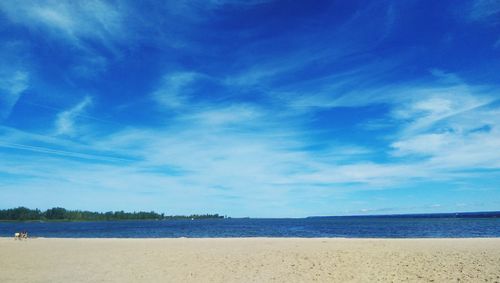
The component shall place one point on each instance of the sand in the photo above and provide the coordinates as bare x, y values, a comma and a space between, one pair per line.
250, 260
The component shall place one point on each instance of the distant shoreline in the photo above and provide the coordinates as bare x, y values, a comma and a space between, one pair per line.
475, 214
62, 214
153, 216
111, 220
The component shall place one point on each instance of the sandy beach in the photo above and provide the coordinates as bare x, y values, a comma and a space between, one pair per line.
249, 260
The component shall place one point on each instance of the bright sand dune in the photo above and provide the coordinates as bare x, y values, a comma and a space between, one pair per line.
249, 260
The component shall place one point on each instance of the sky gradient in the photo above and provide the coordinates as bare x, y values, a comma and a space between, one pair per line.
251, 108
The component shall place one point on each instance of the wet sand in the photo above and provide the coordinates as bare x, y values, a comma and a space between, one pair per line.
250, 260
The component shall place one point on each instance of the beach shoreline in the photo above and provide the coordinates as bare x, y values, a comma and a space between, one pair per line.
249, 259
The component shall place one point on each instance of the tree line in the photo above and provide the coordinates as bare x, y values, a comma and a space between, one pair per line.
62, 214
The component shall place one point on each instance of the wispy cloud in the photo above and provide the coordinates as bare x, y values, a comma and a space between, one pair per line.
12, 85
174, 89
485, 11
285, 58
73, 21
243, 154
65, 123
93, 29
277, 117
14, 76
62, 153
456, 130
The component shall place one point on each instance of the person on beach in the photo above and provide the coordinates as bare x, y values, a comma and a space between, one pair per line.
21, 235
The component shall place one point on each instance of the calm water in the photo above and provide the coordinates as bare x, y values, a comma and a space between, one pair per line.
351, 227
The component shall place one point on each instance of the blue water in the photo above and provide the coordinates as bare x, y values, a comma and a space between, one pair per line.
350, 227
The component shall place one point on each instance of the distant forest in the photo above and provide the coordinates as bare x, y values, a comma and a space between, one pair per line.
61, 214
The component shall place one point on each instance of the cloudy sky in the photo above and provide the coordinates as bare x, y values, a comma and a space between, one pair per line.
251, 108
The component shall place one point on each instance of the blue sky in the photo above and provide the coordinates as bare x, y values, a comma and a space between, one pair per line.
251, 108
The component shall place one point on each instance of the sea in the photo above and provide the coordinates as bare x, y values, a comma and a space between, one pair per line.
418, 226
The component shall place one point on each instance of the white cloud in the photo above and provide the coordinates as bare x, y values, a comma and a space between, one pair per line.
65, 123
454, 128
308, 49
74, 21
243, 157
12, 85
446, 77
422, 144
485, 10
436, 126
63, 153
426, 107
15, 77
258, 75
496, 45
82, 25
237, 114
89, 65
174, 89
